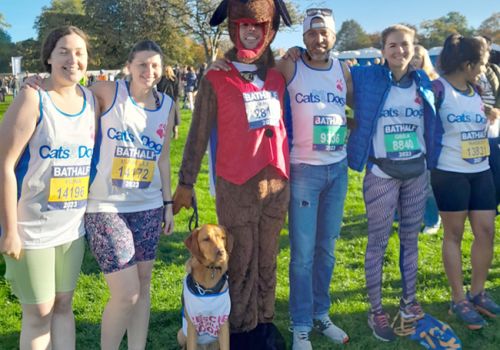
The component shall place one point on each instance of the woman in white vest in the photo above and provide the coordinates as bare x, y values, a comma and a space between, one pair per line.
130, 195
394, 115
45, 156
462, 180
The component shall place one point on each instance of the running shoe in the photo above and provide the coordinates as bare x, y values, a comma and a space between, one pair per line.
301, 340
430, 230
380, 324
466, 312
484, 304
331, 331
411, 310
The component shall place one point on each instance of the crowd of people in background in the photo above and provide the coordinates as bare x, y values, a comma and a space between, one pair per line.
178, 82
186, 78
9, 85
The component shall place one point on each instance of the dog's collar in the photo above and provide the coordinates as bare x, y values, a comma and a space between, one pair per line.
212, 269
198, 289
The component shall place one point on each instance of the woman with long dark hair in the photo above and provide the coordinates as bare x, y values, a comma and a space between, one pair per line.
462, 180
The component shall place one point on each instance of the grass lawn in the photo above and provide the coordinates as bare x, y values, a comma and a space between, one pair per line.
349, 305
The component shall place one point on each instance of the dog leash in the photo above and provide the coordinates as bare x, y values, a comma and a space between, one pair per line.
194, 217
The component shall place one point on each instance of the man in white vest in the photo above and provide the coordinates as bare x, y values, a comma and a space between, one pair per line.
318, 88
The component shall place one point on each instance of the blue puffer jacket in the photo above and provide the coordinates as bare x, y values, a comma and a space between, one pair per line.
371, 86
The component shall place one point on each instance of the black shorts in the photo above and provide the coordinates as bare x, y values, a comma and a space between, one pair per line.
463, 191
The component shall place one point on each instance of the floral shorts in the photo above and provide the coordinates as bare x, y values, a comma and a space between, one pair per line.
120, 240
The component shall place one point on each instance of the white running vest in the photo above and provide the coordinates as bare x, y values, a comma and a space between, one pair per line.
207, 313
53, 175
318, 100
125, 176
399, 133
464, 142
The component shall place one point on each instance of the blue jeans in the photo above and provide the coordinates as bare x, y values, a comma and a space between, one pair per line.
431, 213
317, 194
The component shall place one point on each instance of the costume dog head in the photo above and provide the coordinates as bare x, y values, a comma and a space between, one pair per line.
210, 245
267, 12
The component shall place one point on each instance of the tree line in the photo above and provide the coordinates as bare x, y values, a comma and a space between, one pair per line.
430, 33
181, 28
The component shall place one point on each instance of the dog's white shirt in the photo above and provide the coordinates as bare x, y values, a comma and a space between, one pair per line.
207, 313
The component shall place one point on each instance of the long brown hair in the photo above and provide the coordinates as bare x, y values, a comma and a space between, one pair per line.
53, 37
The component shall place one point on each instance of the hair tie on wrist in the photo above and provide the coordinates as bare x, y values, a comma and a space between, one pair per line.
182, 183
165, 203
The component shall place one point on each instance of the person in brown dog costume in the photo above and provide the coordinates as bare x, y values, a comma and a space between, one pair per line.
245, 106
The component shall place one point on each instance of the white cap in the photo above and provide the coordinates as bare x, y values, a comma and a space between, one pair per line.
327, 22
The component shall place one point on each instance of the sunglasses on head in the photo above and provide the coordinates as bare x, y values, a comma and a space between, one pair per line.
319, 11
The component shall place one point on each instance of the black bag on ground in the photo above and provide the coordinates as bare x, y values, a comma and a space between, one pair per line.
401, 169
265, 336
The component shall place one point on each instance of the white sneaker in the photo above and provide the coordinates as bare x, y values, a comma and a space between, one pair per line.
430, 230
301, 341
328, 329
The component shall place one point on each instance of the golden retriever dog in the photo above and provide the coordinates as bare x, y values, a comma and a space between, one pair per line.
205, 296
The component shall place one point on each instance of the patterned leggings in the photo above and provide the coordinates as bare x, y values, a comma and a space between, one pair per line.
382, 197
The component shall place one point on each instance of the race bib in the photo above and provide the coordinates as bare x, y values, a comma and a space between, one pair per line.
475, 146
329, 133
262, 108
69, 187
133, 167
401, 141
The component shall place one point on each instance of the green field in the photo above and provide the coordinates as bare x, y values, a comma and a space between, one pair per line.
349, 305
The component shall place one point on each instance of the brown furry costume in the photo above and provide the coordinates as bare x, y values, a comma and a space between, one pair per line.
253, 211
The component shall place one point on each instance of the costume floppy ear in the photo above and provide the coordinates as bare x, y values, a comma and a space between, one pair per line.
192, 244
220, 14
282, 10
